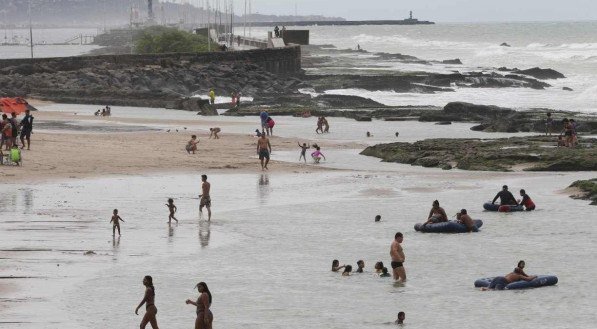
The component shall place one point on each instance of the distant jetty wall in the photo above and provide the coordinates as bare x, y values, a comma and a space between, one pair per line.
285, 60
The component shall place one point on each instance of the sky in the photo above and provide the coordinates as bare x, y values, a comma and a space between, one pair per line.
435, 10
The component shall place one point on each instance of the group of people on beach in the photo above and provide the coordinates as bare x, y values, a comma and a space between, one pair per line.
568, 135
11, 130
202, 305
104, 112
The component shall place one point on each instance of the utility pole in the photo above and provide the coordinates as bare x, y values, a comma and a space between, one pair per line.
30, 30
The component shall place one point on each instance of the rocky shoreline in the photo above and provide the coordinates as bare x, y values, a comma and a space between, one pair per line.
533, 153
588, 190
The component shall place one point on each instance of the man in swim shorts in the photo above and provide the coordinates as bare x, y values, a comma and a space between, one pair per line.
398, 258
205, 198
264, 149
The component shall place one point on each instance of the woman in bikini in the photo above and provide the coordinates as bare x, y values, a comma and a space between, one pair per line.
149, 301
204, 316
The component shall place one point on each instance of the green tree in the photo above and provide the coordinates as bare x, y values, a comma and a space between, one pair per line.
160, 39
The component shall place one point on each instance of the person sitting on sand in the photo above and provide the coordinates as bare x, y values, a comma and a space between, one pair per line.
378, 267
561, 141
172, 209
360, 266
336, 266
463, 218
506, 198
401, 317
568, 132
304, 149
500, 282
214, 132
437, 214
192, 145
526, 201
384, 273
317, 155
347, 270
115, 222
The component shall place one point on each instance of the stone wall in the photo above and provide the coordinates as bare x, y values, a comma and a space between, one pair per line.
297, 37
278, 61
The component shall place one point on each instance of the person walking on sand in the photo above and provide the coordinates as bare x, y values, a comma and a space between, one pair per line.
149, 300
264, 149
398, 258
205, 197
204, 318
304, 149
172, 209
116, 222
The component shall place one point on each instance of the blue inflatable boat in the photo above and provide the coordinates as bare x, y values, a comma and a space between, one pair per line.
447, 227
540, 281
505, 208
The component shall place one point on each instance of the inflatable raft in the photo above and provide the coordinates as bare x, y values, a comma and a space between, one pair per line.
447, 227
505, 208
540, 281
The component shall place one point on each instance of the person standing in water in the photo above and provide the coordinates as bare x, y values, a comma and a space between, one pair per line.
115, 222
398, 258
172, 209
204, 318
304, 149
205, 197
264, 149
149, 300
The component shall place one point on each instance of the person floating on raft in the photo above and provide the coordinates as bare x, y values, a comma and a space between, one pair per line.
506, 198
500, 282
526, 201
437, 214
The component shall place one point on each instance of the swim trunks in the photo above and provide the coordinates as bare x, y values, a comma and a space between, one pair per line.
205, 201
26, 133
396, 264
263, 154
498, 283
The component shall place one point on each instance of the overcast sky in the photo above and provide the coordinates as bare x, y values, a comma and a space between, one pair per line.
436, 10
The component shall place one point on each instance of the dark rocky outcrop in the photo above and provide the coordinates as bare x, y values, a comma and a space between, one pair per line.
455, 61
588, 190
537, 153
567, 89
542, 74
504, 44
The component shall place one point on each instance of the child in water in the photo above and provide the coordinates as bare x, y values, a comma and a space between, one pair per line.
304, 148
115, 222
172, 209
347, 270
317, 155
384, 273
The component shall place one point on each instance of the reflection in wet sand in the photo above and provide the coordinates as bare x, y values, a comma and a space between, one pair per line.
264, 188
204, 233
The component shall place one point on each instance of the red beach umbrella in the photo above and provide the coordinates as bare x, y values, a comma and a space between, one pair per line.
10, 105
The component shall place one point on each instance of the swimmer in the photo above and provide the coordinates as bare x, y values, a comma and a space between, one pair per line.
149, 301
378, 218
384, 273
360, 266
401, 317
336, 266
304, 149
397, 133
398, 258
378, 267
347, 270
369, 134
115, 222
172, 209
214, 132
526, 201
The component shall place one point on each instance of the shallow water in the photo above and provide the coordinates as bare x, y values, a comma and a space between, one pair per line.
267, 253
